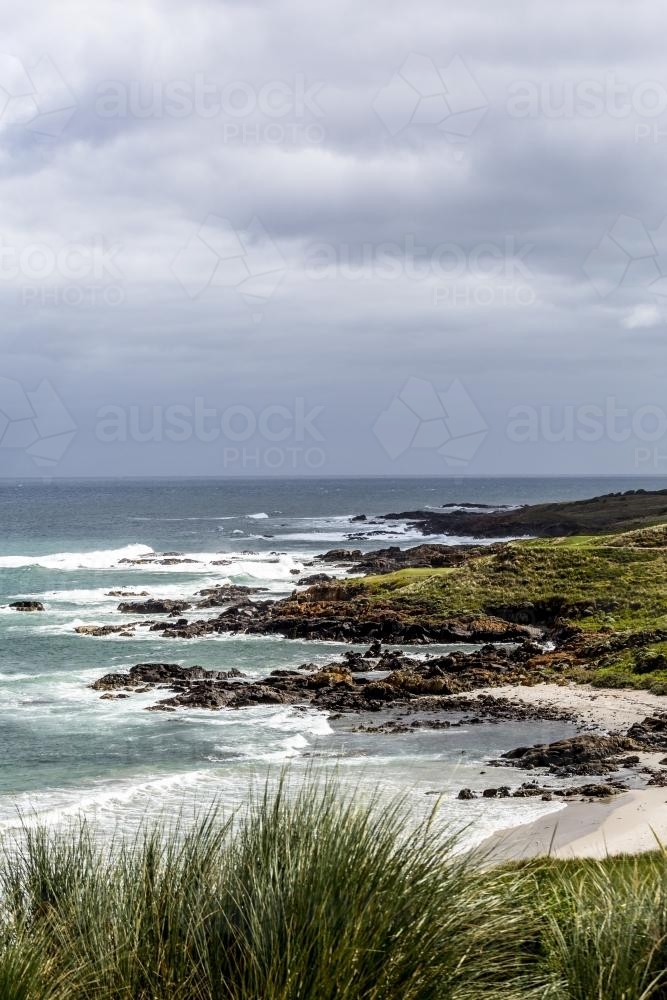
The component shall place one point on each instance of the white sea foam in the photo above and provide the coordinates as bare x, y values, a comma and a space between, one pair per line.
271, 569
132, 801
313, 536
258, 517
470, 508
98, 559
54, 806
101, 595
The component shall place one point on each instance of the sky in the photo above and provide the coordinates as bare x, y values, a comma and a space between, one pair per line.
356, 238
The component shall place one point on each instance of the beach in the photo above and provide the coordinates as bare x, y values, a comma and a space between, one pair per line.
629, 823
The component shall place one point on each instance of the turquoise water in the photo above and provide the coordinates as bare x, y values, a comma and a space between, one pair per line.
64, 750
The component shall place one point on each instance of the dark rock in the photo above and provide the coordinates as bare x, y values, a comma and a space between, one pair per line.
431, 556
651, 733
585, 754
27, 606
110, 682
153, 606
379, 691
315, 579
466, 794
161, 673
492, 793
340, 555
596, 791
230, 591
101, 630
127, 593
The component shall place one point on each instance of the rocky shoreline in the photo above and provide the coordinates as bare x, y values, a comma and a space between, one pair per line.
598, 515
323, 611
416, 694
369, 681
523, 641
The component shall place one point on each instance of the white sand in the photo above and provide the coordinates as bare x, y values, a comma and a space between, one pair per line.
627, 824
608, 709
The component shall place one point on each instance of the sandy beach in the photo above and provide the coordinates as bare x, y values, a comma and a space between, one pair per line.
630, 823
607, 709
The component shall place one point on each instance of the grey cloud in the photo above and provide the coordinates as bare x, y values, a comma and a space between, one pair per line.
351, 339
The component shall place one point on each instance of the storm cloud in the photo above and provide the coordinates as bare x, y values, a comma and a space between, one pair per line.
288, 239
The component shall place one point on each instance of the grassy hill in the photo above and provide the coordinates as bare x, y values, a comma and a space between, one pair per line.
612, 512
611, 589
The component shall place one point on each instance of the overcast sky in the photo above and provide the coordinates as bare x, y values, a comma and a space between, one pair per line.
292, 238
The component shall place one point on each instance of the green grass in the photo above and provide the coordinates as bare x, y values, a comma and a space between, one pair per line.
313, 896
606, 585
310, 895
590, 580
603, 927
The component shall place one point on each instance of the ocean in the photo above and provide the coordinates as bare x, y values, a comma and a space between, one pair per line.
67, 752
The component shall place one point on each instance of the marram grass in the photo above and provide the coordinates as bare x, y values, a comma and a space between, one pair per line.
313, 895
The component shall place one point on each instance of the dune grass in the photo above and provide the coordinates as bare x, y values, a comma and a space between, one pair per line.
603, 933
312, 895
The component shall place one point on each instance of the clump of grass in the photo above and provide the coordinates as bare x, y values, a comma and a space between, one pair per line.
310, 895
643, 667
314, 896
604, 933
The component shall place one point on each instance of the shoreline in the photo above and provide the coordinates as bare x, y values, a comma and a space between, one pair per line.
608, 709
631, 823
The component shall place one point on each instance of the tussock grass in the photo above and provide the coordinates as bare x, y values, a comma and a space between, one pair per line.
308, 895
604, 927
313, 896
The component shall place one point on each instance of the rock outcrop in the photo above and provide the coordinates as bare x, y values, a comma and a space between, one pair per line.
588, 754
153, 606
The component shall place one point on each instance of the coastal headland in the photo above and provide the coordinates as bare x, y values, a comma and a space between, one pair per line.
564, 618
